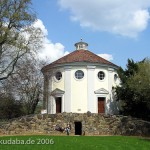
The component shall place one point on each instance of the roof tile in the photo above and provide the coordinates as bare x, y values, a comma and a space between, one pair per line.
79, 56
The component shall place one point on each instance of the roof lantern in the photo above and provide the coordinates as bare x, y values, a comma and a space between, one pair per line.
81, 45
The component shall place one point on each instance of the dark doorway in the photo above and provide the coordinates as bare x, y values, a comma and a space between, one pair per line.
58, 104
101, 104
78, 128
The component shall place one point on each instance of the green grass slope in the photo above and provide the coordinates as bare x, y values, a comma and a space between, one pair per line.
42, 142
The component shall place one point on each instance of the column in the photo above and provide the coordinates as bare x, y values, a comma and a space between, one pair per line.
50, 98
110, 84
45, 96
110, 79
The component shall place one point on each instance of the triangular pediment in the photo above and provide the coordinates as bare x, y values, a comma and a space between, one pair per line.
101, 91
57, 92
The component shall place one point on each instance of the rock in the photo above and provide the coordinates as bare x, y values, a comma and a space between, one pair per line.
53, 116
39, 116
44, 116
89, 113
59, 121
29, 119
92, 124
22, 120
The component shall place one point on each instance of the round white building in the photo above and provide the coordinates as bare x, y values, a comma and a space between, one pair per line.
79, 82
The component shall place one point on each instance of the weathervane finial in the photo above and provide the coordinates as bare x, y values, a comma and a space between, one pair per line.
81, 39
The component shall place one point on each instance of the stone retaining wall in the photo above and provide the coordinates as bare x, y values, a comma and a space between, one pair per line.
91, 124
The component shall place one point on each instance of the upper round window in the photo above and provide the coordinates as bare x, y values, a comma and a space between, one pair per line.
79, 74
58, 75
115, 77
101, 75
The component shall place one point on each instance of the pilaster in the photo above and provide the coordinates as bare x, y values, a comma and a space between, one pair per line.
90, 89
67, 96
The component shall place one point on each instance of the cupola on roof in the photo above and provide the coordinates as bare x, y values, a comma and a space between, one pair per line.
81, 45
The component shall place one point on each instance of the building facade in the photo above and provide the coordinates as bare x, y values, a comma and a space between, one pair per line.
79, 82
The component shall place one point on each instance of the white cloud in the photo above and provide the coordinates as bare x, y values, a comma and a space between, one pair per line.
106, 56
50, 51
122, 17
53, 51
39, 24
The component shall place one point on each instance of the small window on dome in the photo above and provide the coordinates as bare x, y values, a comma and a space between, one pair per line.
58, 75
101, 75
79, 74
81, 46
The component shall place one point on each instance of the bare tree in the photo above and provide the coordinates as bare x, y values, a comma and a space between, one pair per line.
18, 37
27, 84
32, 87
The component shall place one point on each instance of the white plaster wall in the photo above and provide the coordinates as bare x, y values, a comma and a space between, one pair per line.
100, 83
79, 91
58, 84
52, 86
107, 83
114, 105
77, 98
117, 82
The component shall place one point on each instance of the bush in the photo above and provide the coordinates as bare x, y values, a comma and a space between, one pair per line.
10, 108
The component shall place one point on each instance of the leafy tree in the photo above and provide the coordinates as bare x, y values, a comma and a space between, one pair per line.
18, 37
134, 90
140, 84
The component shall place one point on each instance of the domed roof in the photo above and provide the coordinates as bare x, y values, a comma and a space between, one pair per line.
79, 56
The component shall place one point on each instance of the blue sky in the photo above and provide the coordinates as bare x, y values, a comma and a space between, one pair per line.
120, 29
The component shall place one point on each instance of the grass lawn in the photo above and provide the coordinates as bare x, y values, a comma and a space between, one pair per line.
44, 142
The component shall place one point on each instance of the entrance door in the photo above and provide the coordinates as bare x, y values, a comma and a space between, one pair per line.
78, 128
58, 104
101, 104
